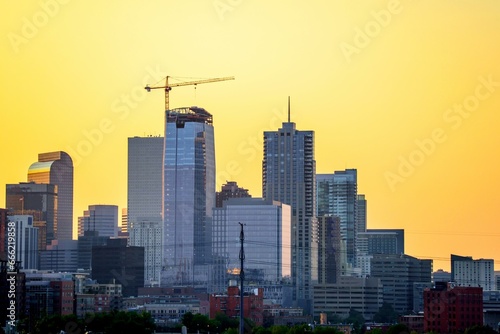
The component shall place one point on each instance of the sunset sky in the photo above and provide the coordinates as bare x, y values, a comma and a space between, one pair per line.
407, 92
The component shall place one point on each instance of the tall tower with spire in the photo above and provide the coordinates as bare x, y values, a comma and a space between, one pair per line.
288, 176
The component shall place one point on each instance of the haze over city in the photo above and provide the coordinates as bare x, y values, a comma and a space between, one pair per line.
406, 92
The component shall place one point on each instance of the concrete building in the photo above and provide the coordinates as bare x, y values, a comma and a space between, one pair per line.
468, 272
337, 195
100, 217
149, 236
145, 180
361, 215
329, 250
189, 196
398, 274
37, 200
362, 294
56, 168
26, 240
268, 237
288, 176
230, 190
452, 309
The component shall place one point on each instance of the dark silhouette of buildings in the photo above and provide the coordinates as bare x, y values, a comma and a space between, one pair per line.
117, 263
229, 190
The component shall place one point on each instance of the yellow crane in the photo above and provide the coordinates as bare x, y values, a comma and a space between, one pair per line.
168, 87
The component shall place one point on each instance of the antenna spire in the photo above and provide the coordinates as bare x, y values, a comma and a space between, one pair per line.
288, 109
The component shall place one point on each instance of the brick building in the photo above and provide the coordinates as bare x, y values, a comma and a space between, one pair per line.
449, 309
253, 304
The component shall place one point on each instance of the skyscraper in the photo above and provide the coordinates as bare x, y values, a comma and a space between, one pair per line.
268, 236
337, 196
288, 176
57, 168
26, 236
189, 195
145, 201
39, 201
102, 218
144, 179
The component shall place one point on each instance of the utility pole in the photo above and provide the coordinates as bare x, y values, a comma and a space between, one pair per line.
242, 278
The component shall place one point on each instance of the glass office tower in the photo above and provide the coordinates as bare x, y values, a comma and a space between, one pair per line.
189, 196
57, 168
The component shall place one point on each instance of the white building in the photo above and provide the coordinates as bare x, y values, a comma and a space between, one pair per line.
148, 235
25, 240
469, 272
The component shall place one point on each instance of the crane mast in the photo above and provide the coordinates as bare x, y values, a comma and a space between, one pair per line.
168, 87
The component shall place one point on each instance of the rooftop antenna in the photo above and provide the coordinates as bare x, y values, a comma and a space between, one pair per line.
288, 109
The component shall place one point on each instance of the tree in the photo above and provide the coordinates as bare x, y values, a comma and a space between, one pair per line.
386, 314
398, 329
480, 329
356, 319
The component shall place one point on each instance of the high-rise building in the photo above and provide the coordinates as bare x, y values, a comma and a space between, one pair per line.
145, 202
149, 235
398, 274
468, 272
60, 256
268, 237
39, 201
145, 179
189, 195
117, 263
361, 215
337, 195
329, 246
86, 242
230, 190
381, 241
57, 168
100, 217
26, 241
288, 176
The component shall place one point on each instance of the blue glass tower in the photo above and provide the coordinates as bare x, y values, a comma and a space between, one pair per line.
189, 195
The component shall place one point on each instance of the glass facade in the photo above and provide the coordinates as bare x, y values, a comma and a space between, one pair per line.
267, 231
57, 168
189, 195
337, 195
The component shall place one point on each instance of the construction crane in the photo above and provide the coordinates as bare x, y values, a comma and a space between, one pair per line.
168, 87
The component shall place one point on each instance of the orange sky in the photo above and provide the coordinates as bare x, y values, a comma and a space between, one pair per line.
407, 92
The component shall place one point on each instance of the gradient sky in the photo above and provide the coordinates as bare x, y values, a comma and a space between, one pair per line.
407, 92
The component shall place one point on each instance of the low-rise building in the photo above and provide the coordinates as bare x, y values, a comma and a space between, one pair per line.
229, 304
452, 309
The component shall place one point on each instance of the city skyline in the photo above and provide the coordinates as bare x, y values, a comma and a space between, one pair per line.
411, 105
